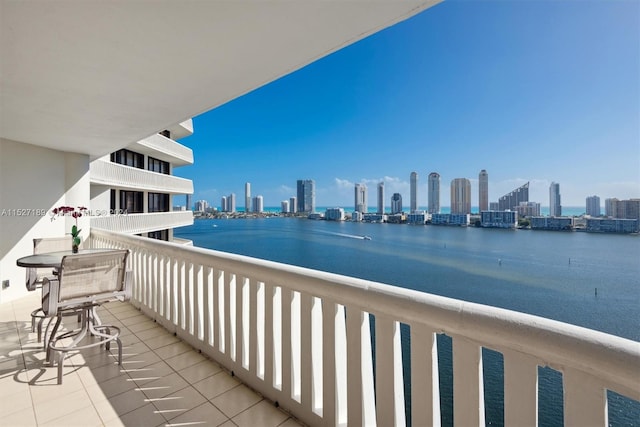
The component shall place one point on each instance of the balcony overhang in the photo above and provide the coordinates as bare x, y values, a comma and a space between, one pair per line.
126, 177
92, 77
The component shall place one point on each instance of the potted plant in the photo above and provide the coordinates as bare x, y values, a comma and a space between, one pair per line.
75, 231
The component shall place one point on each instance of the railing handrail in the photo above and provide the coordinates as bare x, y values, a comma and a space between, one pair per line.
613, 359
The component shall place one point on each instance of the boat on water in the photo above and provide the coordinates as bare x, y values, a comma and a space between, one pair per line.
366, 237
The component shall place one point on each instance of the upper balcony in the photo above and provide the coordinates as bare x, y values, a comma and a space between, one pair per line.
181, 130
143, 222
163, 148
115, 175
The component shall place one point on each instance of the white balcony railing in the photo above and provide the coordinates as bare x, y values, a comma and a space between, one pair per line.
302, 338
163, 148
116, 175
143, 222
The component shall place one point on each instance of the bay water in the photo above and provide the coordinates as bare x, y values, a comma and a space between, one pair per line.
586, 279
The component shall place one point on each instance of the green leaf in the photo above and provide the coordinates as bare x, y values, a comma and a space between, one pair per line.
76, 241
74, 231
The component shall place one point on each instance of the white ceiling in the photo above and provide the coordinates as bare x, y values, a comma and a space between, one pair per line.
93, 76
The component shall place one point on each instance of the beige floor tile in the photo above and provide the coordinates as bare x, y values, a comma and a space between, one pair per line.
236, 400
203, 415
17, 399
228, 424
127, 402
154, 332
112, 387
148, 374
161, 340
142, 325
215, 385
291, 422
263, 414
185, 360
145, 416
172, 350
178, 403
60, 405
85, 417
200, 371
164, 386
23, 418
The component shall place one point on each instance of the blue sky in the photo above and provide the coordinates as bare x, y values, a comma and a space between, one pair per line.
535, 91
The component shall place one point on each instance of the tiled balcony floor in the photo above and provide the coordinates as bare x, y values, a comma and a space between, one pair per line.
162, 382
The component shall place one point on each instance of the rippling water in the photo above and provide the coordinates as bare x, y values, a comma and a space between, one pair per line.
550, 274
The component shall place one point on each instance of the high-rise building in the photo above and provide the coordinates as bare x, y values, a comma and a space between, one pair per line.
293, 205
483, 190
188, 201
508, 202
555, 207
247, 197
460, 196
593, 206
201, 205
258, 204
284, 206
413, 192
610, 207
396, 203
360, 198
306, 195
224, 204
434, 193
231, 202
381, 198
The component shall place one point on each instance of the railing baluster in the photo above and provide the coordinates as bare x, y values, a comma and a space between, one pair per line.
180, 278
287, 363
188, 303
329, 405
306, 351
254, 324
389, 379
218, 313
585, 400
239, 324
468, 390
197, 301
228, 339
354, 369
207, 320
425, 384
269, 344
520, 389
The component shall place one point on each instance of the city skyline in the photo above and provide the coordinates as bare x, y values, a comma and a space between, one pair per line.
532, 92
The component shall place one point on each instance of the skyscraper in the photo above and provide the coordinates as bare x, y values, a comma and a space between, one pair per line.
396, 203
306, 195
258, 204
483, 190
413, 192
508, 202
360, 199
381, 198
593, 205
293, 205
555, 207
460, 196
247, 197
284, 206
231, 202
434, 193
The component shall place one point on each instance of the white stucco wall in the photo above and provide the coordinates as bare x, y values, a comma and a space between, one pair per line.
33, 181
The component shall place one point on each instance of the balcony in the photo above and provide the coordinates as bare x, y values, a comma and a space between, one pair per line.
302, 338
163, 148
143, 222
116, 175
